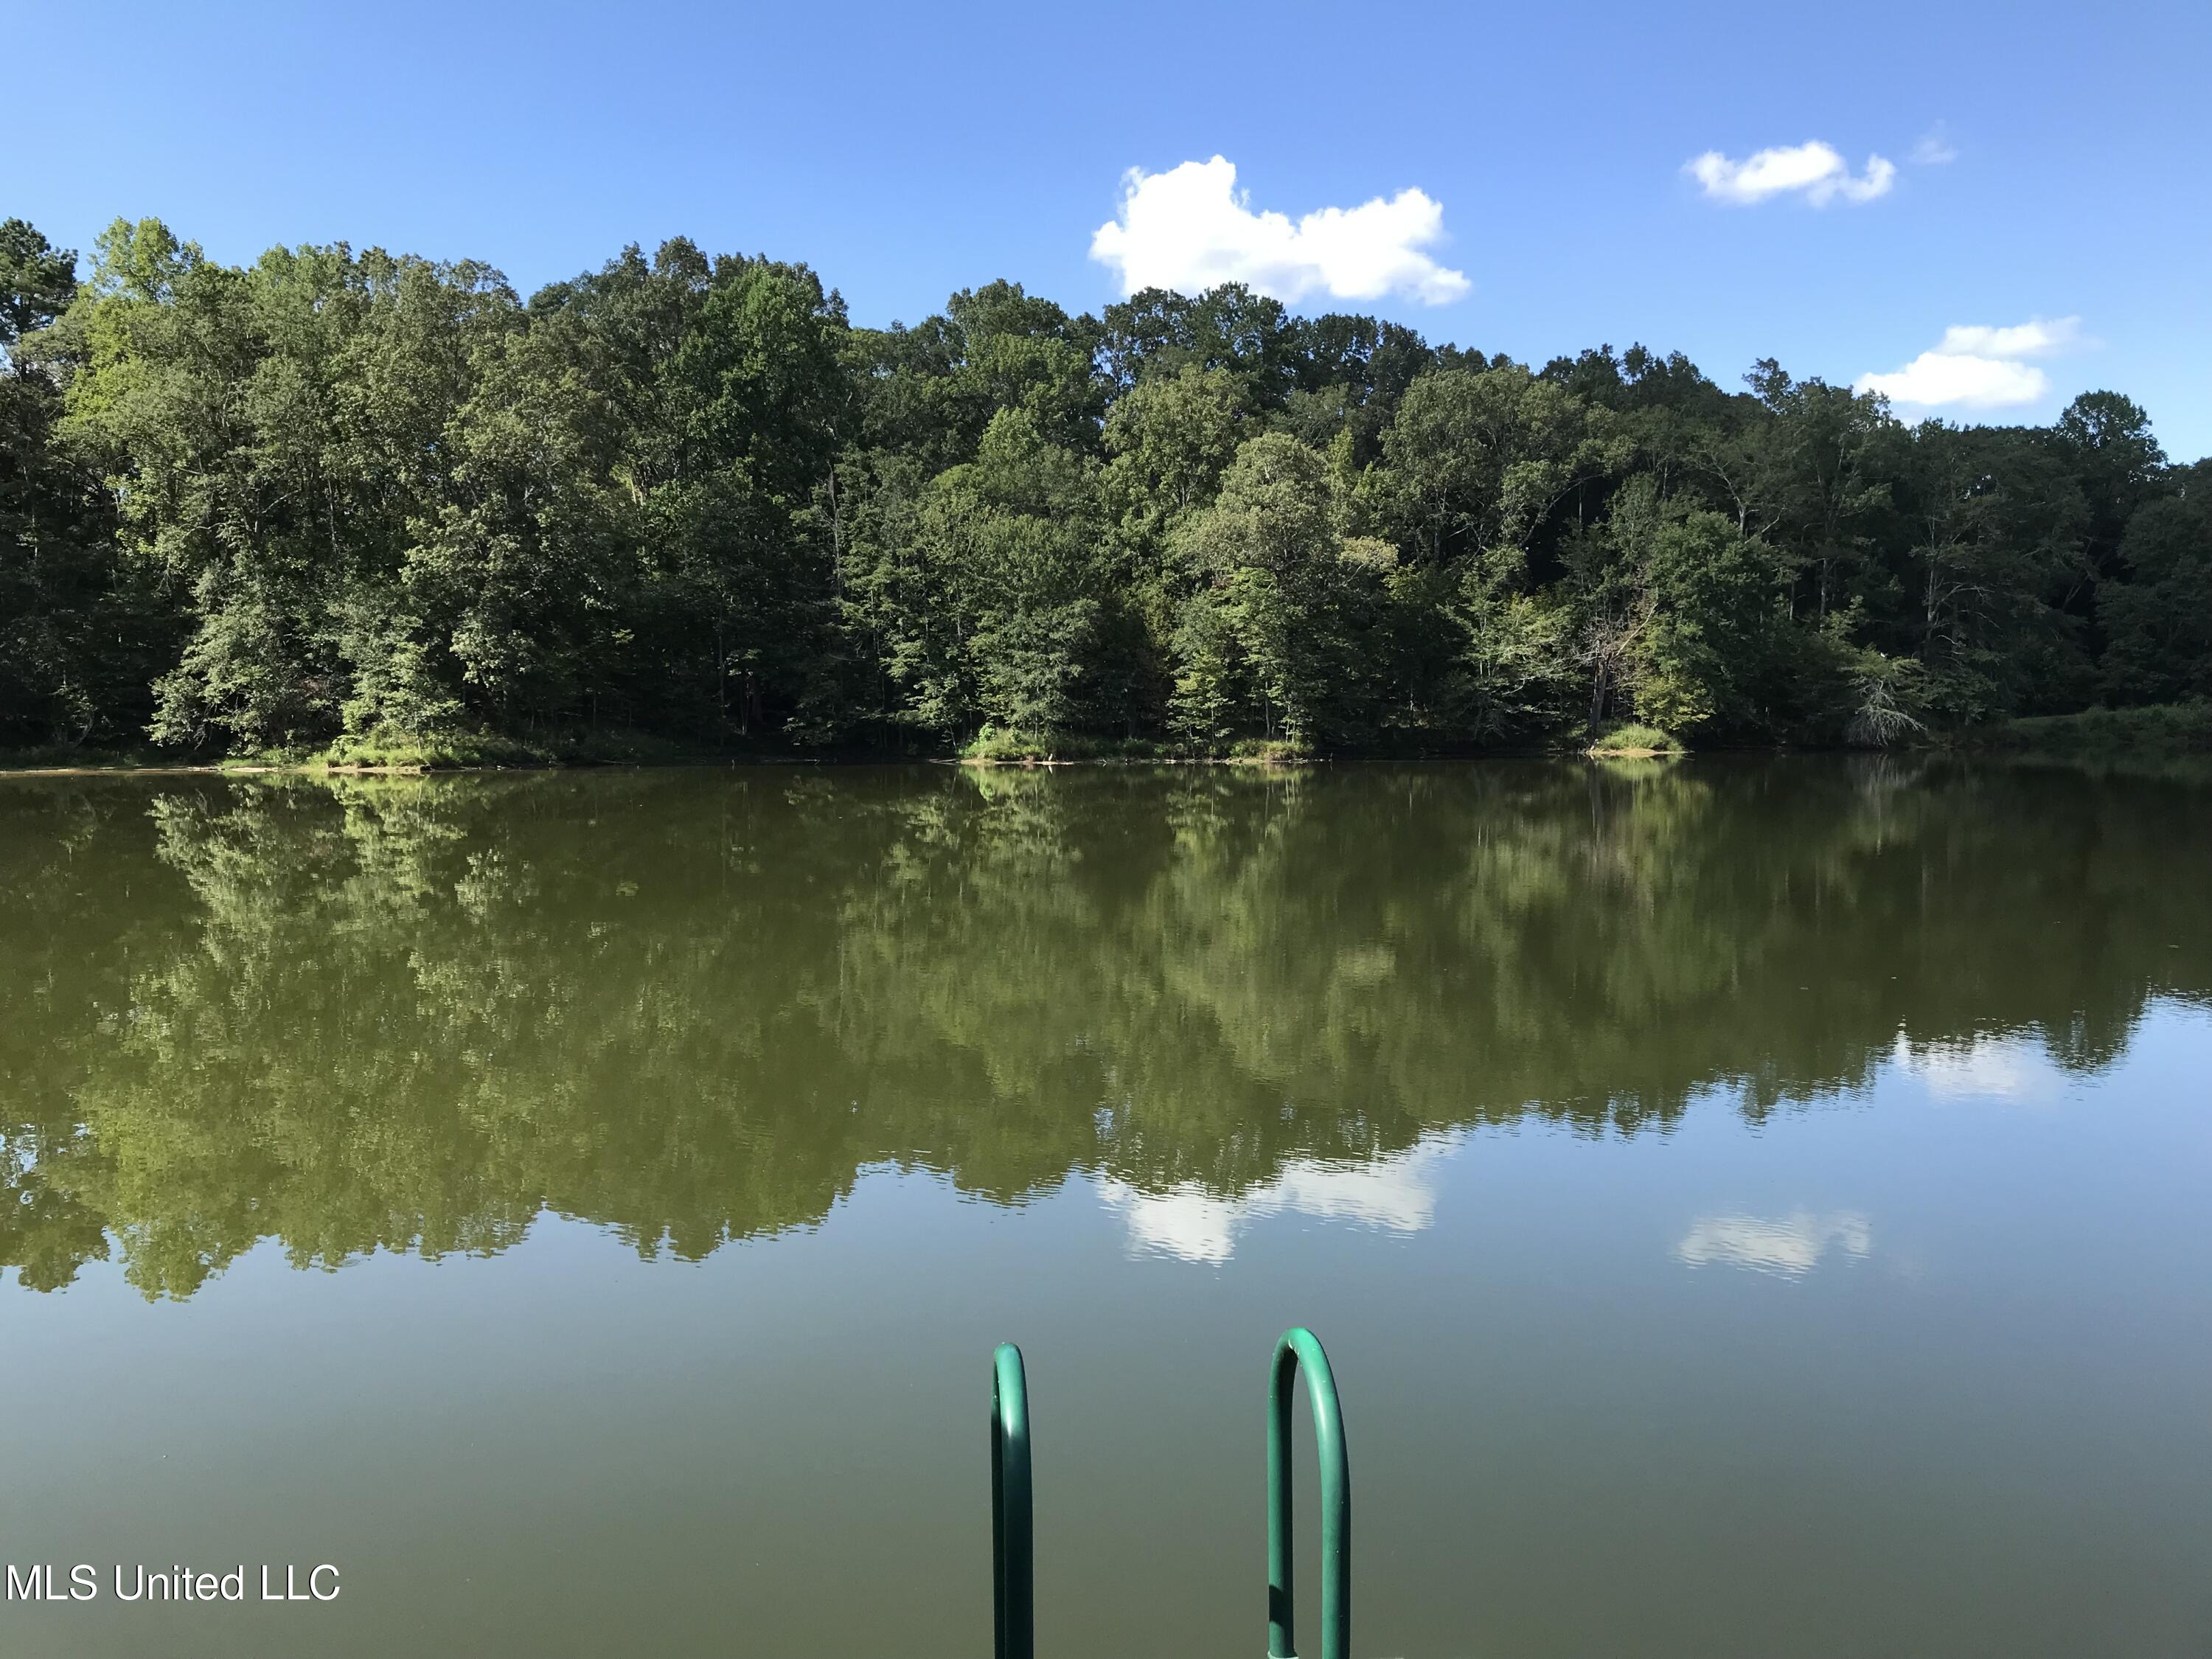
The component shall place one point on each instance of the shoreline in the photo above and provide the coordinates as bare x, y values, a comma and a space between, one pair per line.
2164, 731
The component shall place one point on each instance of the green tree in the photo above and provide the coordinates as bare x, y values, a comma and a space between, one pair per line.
1170, 437
2159, 622
79, 636
1815, 482
1012, 547
1283, 639
1995, 524
276, 436
1479, 461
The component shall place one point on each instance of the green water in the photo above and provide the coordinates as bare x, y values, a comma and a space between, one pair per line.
1754, 1208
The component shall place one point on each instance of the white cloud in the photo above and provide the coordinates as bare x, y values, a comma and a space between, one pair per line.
1395, 1194
2032, 339
1813, 170
1936, 379
1789, 1245
1933, 148
1190, 227
1975, 367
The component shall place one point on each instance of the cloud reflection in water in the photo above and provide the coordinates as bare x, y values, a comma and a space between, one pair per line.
2019, 1069
1395, 1194
1791, 1245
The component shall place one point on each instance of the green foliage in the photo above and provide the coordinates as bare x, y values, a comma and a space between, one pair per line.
1481, 461
399, 751
998, 746
1635, 739
2183, 728
80, 633
2159, 623
1170, 441
336, 494
1284, 632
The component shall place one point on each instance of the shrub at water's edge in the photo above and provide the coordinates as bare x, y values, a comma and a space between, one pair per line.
409, 751
997, 745
1637, 741
416, 752
2179, 727
1001, 746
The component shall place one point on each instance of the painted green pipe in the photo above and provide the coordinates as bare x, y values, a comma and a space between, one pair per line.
1013, 1561
1300, 1348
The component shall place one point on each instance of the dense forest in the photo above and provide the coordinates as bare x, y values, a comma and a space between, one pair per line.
356, 498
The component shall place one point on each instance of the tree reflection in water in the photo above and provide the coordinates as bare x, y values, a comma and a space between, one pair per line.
410, 1014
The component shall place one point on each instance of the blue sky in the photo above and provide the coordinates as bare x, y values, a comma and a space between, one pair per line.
904, 152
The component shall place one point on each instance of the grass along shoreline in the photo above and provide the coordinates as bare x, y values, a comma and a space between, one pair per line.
2161, 728
2093, 733
1636, 742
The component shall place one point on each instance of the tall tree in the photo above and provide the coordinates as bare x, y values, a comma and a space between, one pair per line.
79, 638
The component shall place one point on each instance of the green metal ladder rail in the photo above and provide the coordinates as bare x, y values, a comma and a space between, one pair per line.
1013, 1558
1299, 1349
1013, 1555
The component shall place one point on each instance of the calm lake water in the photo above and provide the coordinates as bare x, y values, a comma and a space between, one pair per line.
1754, 1208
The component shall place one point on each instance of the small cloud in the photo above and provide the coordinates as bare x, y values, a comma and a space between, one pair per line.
1933, 148
1190, 229
2035, 337
1791, 1246
1975, 367
1813, 170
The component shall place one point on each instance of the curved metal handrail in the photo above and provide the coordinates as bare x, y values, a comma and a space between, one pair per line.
1300, 1348
1013, 1560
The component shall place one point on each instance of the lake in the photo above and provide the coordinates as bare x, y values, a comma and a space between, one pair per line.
1753, 1206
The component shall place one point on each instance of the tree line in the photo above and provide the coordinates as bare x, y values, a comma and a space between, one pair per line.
356, 496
